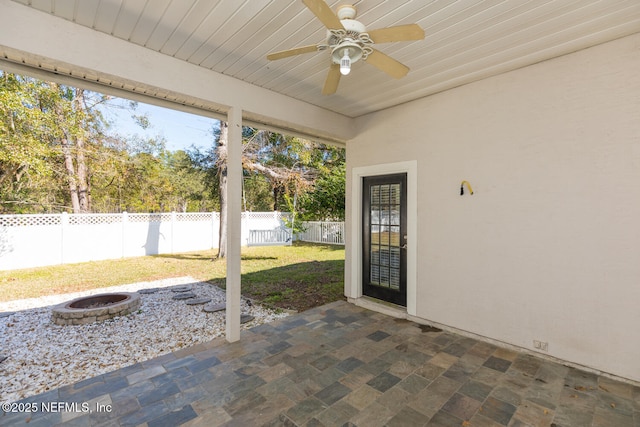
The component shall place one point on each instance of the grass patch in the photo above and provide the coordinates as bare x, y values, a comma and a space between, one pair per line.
295, 277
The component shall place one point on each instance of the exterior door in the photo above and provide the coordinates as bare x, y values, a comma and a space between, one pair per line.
384, 238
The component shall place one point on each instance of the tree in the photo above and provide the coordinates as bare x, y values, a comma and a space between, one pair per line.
71, 119
48, 131
283, 160
187, 182
272, 155
326, 199
22, 150
57, 153
257, 192
221, 163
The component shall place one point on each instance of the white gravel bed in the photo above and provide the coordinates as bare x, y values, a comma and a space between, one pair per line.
42, 355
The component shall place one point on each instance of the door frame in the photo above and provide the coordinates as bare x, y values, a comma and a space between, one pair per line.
383, 291
354, 289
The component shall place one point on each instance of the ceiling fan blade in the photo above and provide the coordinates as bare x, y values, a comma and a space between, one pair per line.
401, 33
324, 13
333, 79
387, 64
292, 52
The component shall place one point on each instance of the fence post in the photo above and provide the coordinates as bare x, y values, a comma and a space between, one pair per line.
246, 223
125, 220
64, 224
173, 224
213, 228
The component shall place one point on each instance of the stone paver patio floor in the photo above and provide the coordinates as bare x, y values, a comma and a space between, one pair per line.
341, 365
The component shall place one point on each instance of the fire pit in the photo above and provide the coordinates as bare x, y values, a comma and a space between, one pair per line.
95, 308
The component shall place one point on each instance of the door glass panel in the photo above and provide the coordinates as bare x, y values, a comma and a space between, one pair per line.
385, 214
394, 236
394, 258
394, 279
384, 228
375, 256
384, 194
375, 275
384, 256
394, 215
384, 276
394, 194
375, 195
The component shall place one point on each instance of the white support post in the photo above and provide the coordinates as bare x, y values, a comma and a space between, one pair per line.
234, 222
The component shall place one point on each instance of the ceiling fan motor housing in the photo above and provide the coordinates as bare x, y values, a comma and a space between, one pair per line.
346, 11
353, 26
352, 30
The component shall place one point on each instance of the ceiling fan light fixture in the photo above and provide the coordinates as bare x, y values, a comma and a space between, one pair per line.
349, 41
345, 55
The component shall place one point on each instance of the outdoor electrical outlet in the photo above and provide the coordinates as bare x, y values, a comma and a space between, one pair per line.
541, 345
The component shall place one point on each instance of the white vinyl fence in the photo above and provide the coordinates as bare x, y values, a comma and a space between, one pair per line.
48, 239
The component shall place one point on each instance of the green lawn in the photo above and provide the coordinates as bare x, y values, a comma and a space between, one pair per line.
294, 277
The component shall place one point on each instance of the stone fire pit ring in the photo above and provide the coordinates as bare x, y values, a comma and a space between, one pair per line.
95, 308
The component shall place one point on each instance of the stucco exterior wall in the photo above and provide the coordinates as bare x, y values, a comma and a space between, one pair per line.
548, 247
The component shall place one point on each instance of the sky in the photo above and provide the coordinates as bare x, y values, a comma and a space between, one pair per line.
180, 130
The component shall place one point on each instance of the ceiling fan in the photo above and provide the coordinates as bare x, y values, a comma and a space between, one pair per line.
349, 41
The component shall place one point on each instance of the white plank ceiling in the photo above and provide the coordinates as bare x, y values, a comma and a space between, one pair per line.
466, 40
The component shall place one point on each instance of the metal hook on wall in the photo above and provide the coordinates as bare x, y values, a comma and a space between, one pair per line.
468, 188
